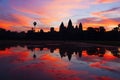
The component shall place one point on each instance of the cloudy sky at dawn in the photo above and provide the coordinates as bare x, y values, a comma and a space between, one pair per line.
18, 15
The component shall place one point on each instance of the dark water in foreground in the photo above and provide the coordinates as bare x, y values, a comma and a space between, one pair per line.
59, 63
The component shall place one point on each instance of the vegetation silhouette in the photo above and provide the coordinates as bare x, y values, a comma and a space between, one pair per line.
69, 33
34, 55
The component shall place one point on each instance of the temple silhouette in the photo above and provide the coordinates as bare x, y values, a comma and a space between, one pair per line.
69, 33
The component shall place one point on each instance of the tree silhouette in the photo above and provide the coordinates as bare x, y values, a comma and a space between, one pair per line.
101, 29
34, 23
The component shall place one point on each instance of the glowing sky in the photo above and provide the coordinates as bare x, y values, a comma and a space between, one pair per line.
19, 15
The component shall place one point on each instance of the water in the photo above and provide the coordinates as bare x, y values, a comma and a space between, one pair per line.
38, 62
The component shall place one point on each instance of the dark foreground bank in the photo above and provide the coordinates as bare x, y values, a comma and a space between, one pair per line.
73, 43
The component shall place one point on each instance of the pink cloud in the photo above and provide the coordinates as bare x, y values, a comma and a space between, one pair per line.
103, 66
51, 11
105, 1
104, 18
103, 14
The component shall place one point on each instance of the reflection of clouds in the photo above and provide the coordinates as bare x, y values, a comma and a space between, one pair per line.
109, 56
46, 65
50, 65
102, 78
108, 62
106, 66
16, 54
119, 49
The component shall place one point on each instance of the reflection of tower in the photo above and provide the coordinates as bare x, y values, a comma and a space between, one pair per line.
62, 52
69, 54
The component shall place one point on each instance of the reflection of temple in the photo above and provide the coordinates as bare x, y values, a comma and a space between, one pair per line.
69, 51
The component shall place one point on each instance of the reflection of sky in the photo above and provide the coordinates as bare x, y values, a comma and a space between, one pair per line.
17, 63
19, 14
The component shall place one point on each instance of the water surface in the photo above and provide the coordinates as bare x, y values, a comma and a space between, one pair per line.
38, 62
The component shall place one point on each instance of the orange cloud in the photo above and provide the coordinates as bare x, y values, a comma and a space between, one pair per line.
5, 24
20, 20
109, 23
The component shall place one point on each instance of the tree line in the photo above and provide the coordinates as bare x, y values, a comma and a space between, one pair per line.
65, 33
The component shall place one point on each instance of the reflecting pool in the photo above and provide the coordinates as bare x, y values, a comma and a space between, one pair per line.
54, 62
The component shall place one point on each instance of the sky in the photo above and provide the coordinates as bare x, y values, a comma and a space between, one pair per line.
19, 15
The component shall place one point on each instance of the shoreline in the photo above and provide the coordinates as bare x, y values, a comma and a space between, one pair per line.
66, 43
